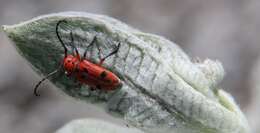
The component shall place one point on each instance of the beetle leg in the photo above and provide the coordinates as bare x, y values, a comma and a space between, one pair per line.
91, 88
73, 46
110, 54
98, 87
78, 86
91, 44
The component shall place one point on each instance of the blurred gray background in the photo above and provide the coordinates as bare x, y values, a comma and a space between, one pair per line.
218, 29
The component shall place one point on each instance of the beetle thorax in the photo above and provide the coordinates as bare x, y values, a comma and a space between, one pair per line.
70, 63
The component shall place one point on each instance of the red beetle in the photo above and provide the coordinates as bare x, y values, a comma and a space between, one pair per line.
86, 72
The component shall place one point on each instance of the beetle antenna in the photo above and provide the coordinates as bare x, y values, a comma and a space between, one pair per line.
91, 44
62, 43
43, 79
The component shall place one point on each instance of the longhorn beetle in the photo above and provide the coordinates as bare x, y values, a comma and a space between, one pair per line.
85, 71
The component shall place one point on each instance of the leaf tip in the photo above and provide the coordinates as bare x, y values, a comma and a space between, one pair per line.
5, 28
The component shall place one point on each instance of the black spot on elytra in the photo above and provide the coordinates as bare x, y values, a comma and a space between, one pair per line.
85, 70
103, 74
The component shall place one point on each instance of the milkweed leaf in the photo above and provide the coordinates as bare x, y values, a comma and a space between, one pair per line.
162, 89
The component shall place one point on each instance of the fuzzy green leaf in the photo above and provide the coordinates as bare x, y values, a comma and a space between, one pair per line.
162, 89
